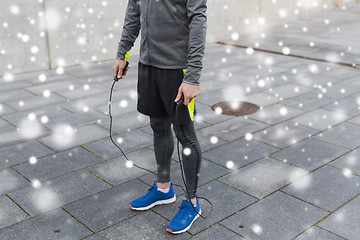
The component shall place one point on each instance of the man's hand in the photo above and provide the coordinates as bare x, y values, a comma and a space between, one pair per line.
189, 90
118, 68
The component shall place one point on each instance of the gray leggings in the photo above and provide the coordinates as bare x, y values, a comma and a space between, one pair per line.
164, 148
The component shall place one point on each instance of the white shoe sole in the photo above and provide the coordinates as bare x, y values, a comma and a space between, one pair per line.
159, 202
188, 227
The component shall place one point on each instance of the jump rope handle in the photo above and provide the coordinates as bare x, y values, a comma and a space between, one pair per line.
126, 65
181, 100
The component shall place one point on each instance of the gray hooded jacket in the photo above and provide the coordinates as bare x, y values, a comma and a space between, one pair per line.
173, 34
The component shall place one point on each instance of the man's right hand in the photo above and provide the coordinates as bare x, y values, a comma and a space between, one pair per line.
118, 68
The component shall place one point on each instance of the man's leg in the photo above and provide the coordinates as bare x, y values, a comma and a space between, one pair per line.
164, 148
191, 157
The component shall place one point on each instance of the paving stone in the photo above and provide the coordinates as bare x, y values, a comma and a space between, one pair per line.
317, 233
321, 119
18, 94
119, 106
58, 164
35, 102
12, 136
347, 106
278, 216
307, 101
66, 137
261, 99
75, 119
283, 134
131, 141
108, 207
10, 213
349, 161
338, 91
208, 172
342, 73
91, 102
4, 109
310, 153
153, 227
56, 224
263, 177
288, 90
9, 86
219, 195
117, 170
239, 153
58, 192
126, 121
52, 86
345, 130
319, 187
19, 153
275, 113
207, 115
345, 221
48, 111
4, 125
233, 128
355, 120
85, 90
11, 181
216, 232
352, 82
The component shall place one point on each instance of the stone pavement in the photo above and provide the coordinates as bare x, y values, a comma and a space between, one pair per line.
289, 171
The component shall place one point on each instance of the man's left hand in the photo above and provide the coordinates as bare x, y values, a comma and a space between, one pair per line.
189, 90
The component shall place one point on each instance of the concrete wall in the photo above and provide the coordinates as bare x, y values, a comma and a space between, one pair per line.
47, 34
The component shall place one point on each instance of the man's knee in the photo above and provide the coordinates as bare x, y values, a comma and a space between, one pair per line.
159, 124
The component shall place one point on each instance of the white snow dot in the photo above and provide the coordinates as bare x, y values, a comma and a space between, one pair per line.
123, 103
32, 160
261, 21
119, 140
257, 229
235, 36
229, 164
36, 183
286, 50
60, 70
249, 51
31, 116
283, 111
42, 77
14, 9
85, 108
44, 119
86, 87
248, 136
187, 151
213, 139
25, 38
46, 93
34, 49
218, 110
129, 164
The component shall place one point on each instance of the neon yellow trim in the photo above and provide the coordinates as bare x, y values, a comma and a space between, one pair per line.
184, 70
126, 55
191, 108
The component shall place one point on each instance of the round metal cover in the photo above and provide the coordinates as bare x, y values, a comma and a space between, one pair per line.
235, 108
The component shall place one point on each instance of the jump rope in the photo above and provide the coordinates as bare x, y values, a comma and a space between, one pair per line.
180, 101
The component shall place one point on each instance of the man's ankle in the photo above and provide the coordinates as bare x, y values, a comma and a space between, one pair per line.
163, 185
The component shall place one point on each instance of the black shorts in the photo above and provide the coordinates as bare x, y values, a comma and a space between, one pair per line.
157, 89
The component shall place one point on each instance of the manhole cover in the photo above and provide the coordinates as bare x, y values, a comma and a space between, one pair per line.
235, 108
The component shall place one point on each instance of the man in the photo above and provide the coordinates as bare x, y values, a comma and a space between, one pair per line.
173, 34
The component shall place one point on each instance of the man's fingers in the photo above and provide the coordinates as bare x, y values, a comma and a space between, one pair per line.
178, 96
115, 70
119, 74
126, 71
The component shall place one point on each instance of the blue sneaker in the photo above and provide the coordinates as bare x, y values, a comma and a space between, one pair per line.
153, 197
184, 218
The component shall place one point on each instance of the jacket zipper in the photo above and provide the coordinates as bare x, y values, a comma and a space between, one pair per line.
147, 41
